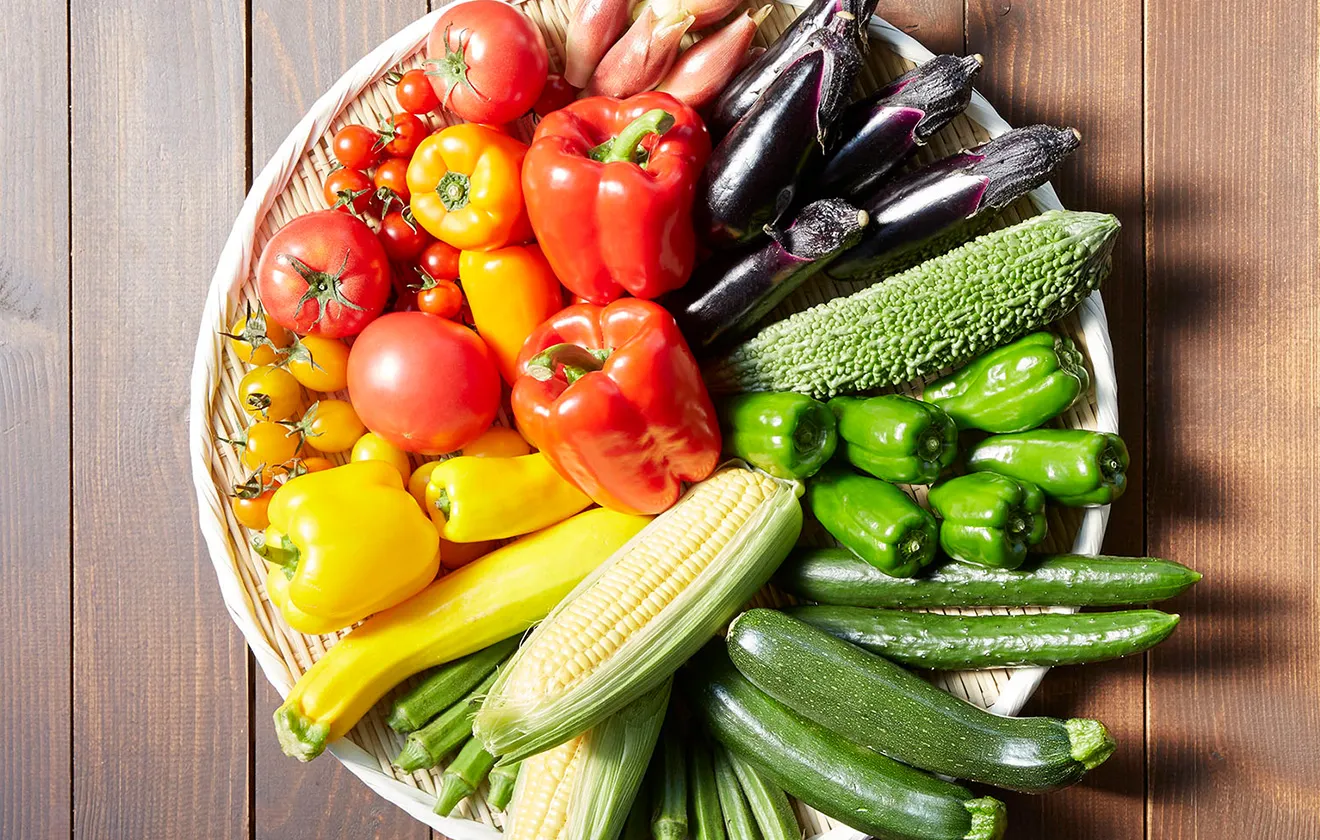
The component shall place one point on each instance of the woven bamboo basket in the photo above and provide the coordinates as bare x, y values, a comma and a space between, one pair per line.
290, 185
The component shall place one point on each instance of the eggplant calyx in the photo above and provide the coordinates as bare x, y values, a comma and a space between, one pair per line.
626, 146
820, 229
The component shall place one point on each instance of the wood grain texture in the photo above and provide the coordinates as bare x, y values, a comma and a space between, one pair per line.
1231, 181
35, 644
299, 49
1078, 63
160, 718
938, 24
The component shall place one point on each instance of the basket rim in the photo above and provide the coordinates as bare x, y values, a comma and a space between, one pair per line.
233, 268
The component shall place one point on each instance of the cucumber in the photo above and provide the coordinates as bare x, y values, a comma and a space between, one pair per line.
837, 576
854, 785
877, 704
963, 642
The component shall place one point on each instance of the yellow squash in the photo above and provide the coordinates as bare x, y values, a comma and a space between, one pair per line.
473, 498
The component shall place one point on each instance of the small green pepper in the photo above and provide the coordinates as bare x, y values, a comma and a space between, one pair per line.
1015, 388
1074, 467
787, 435
989, 519
895, 437
874, 519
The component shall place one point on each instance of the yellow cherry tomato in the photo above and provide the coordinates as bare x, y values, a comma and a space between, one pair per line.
318, 363
373, 447
316, 464
269, 444
420, 478
256, 339
253, 513
270, 393
498, 442
330, 426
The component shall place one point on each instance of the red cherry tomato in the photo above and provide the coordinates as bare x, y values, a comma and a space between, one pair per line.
356, 147
556, 94
403, 238
440, 297
487, 61
402, 134
414, 92
440, 260
423, 383
345, 188
405, 291
392, 175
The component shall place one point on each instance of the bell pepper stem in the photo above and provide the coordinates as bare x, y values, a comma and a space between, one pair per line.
626, 145
575, 360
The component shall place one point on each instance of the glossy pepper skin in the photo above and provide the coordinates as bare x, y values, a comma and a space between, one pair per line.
874, 519
511, 291
350, 542
471, 499
989, 519
895, 437
466, 187
1074, 467
788, 435
615, 400
1015, 388
610, 223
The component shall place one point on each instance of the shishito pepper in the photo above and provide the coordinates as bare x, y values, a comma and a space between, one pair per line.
874, 519
465, 185
1075, 467
471, 499
895, 437
787, 435
989, 519
350, 541
615, 400
511, 291
1015, 388
609, 186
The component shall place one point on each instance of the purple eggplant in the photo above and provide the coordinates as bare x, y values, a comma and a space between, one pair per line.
875, 135
749, 178
741, 93
926, 212
734, 289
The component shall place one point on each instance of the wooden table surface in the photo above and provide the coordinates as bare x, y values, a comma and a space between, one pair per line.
129, 706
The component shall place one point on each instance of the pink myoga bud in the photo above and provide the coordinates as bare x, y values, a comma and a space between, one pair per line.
641, 58
593, 29
705, 12
707, 66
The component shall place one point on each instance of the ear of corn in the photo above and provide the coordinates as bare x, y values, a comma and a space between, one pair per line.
630, 624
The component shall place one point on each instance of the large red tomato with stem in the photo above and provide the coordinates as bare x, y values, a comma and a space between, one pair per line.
324, 274
424, 383
487, 61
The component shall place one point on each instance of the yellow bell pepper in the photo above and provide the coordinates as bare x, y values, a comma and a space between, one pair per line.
353, 541
466, 186
472, 499
495, 597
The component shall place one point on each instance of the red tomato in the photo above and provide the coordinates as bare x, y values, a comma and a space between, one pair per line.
405, 292
423, 383
441, 297
356, 147
440, 260
414, 92
402, 134
487, 61
556, 94
345, 188
403, 238
324, 274
392, 175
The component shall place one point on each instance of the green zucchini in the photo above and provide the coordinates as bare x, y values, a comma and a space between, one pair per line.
877, 704
852, 784
837, 576
943, 313
964, 642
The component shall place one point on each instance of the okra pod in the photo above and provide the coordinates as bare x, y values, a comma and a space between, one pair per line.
427, 746
445, 685
463, 776
770, 806
737, 816
707, 822
670, 821
502, 779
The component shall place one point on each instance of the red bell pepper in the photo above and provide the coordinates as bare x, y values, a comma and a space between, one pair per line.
609, 185
614, 398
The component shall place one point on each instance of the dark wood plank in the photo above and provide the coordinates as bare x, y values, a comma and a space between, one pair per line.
35, 645
299, 50
1078, 63
938, 24
160, 677
1231, 177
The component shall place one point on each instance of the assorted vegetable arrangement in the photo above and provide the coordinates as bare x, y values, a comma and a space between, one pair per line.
509, 349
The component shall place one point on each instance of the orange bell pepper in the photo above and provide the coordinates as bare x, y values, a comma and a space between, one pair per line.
466, 186
511, 292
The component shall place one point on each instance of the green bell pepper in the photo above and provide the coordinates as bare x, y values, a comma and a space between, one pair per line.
989, 519
1015, 388
1075, 467
787, 435
895, 437
874, 519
